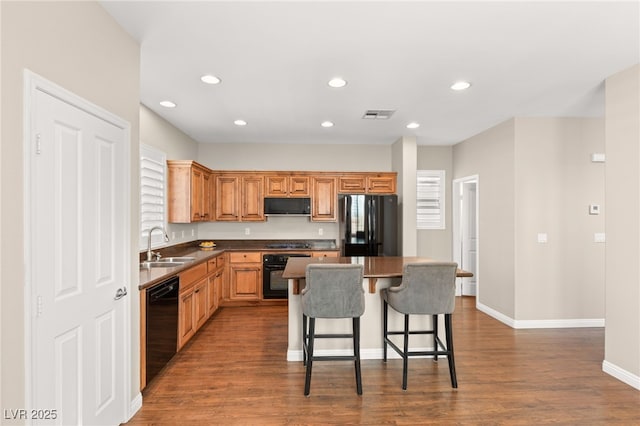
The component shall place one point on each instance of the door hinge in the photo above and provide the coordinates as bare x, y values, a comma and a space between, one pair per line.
38, 144
38, 306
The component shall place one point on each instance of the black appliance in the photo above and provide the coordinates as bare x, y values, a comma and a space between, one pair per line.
368, 225
161, 325
273, 285
287, 206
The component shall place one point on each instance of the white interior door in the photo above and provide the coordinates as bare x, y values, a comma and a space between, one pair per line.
79, 239
469, 237
465, 232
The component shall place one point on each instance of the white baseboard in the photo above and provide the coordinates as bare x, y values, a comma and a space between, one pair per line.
525, 324
135, 405
621, 374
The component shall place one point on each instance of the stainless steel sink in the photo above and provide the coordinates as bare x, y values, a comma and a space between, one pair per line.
184, 259
167, 262
160, 264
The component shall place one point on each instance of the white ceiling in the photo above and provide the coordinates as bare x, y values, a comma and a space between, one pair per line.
275, 58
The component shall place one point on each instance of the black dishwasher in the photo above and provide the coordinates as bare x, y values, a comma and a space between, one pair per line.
162, 325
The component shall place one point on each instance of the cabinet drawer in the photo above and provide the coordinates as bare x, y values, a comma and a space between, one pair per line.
215, 263
192, 275
249, 257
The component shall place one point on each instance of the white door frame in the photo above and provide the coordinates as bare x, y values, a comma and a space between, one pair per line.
457, 233
33, 83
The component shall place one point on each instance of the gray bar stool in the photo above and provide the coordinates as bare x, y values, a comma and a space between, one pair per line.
331, 291
426, 289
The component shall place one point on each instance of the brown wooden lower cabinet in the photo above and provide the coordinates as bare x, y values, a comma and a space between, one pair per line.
245, 276
186, 322
325, 254
200, 291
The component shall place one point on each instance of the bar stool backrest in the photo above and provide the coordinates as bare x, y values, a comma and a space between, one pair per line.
426, 288
333, 291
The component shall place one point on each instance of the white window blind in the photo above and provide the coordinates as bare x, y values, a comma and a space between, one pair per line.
152, 194
430, 199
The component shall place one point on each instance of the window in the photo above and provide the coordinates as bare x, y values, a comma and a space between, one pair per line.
430, 199
152, 194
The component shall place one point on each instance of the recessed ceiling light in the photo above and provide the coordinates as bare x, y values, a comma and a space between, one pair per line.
240, 123
210, 79
413, 125
168, 104
326, 124
460, 85
337, 82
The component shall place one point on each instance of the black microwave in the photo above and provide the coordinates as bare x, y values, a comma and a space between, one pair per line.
287, 206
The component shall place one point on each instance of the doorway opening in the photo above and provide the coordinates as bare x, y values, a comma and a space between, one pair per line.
465, 233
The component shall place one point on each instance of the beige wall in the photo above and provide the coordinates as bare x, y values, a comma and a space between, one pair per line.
555, 182
78, 46
272, 156
158, 133
404, 161
622, 333
536, 177
436, 244
490, 155
155, 131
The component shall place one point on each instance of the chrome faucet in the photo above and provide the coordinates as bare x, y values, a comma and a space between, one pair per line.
150, 254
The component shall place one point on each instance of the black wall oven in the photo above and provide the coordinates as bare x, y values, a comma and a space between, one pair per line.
273, 285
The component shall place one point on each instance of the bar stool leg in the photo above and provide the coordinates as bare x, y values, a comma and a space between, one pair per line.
356, 353
312, 332
452, 364
435, 337
304, 339
385, 323
405, 356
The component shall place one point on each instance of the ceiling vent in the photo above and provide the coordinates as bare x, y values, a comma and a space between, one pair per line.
378, 114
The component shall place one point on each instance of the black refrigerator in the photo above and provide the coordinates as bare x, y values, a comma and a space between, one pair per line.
368, 225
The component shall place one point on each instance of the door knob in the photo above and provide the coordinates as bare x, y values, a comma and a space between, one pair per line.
120, 293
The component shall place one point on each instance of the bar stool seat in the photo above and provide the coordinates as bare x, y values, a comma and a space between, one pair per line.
426, 289
331, 291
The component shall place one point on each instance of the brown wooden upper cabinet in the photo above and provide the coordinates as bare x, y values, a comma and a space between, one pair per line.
198, 194
367, 183
190, 192
282, 185
324, 199
239, 197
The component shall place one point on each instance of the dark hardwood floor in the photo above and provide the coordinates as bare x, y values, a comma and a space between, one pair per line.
235, 372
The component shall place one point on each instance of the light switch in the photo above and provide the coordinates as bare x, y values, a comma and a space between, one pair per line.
599, 237
594, 209
542, 238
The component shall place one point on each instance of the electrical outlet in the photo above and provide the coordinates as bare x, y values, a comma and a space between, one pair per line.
599, 237
193, 232
320, 231
173, 235
182, 234
542, 238
247, 231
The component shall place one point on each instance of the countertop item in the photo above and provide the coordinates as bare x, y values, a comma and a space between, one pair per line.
374, 267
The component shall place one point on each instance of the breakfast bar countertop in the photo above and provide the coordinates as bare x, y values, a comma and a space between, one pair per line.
374, 267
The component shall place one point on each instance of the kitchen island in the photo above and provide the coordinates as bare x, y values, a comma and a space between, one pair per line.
379, 273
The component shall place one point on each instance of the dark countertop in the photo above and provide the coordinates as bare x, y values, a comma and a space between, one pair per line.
151, 276
374, 267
